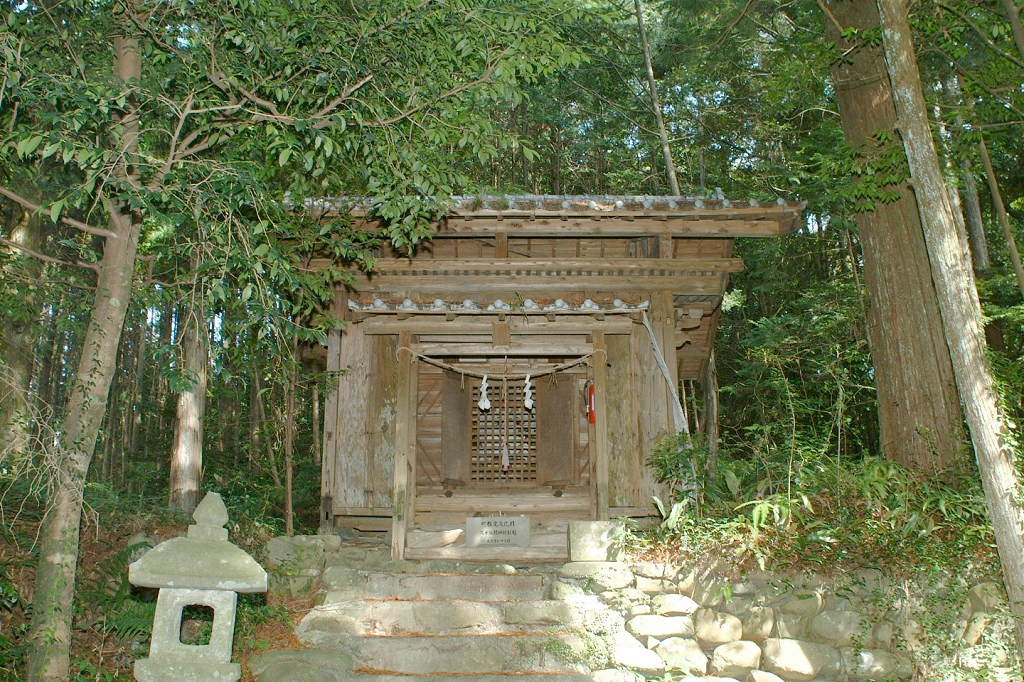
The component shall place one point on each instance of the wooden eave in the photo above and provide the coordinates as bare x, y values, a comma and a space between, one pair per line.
534, 276
597, 216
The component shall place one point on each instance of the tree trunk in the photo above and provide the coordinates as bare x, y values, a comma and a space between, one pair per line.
315, 419
289, 438
972, 215
961, 316
919, 414
49, 635
17, 340
1013, 14
187, 455
1004, 220
666, 150
711, 427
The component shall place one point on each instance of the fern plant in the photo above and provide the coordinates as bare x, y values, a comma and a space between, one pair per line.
108, 601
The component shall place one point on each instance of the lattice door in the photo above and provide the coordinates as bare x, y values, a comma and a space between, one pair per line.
493, 430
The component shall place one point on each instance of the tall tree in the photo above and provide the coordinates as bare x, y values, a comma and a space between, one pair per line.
187, 453
961, 317
918, 407
236, 103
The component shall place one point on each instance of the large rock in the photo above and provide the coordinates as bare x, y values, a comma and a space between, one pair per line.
841, 628
758, 623
616, 675
875, 664
684, 654
673, 605
289, 555
735, 659
596, 540
627, 652
654, 586
798, 661
987, 598
661, 626
601, 575
806, 603
762, 676
790, 626
712, 628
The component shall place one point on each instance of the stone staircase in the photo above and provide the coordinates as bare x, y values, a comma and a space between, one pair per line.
383, 621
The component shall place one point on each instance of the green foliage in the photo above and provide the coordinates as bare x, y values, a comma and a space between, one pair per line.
12, 647
109, 602
834, 514
253, 611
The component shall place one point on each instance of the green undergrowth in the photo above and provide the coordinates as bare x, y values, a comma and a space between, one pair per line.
825, 516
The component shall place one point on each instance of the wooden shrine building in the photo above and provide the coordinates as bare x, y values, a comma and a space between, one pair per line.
581, 313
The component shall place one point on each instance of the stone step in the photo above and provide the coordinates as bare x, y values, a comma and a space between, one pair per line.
483, 587
379, 618
455, 656
540, 677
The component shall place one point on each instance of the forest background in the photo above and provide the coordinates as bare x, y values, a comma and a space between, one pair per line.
159, 325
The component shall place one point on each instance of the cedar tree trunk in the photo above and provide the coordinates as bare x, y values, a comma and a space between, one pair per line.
187, 455
958, 301
919, 415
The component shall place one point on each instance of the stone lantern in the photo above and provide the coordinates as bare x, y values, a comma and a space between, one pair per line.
203, 569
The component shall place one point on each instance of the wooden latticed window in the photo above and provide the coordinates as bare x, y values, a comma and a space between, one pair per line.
507, 424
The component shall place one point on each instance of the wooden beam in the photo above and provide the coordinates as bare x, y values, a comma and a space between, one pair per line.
527, 282
611, 227
517, 325
547, 266
404, 423
600, 448
487, 350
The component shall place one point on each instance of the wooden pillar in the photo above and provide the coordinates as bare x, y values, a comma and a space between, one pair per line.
405, 434
600, 446
328, 454
663, 308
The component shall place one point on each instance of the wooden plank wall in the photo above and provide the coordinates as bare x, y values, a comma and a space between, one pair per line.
637, 418
359, 445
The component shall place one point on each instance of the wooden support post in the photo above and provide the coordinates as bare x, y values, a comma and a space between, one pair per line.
404, 423
329, 454
600, 446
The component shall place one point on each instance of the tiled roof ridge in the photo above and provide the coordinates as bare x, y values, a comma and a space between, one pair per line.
598, 203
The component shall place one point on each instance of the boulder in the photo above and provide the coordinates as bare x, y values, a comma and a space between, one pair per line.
874, 664
599, 575
654, 585
762, 676
798, 661
712, 628
758, 623
790, 626
802, 603
627, 652
841, 628
615, 675
987, 598
596, 540
736, 659
673, 605
290, 555
680, 653
661, 626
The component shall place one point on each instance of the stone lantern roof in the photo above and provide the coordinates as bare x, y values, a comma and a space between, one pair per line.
204, 560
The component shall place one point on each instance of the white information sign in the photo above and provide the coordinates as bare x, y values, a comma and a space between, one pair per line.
498, 531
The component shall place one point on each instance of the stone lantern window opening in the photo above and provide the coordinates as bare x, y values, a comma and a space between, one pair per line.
196, 624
